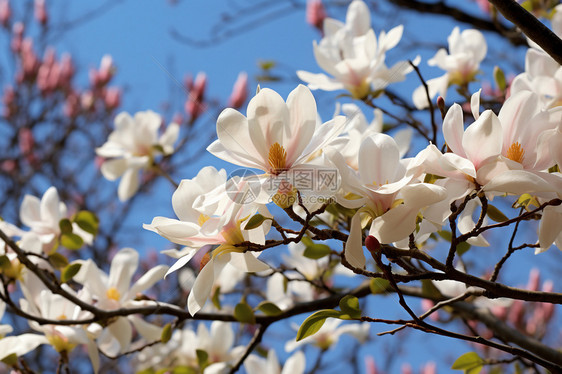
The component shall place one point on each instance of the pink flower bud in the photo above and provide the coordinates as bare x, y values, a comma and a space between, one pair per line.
26, 141
29, 61
547, 308
66, 70
106, 71
9, 166
5, 12
407, 369
87, 100
429, 368
534, 280
188, 82
426, 305
484, 5
72, 105
41, 12
239, 91
315, 13
8, 100
199, 86
370, 366
372, 244
516, 313
112, 98
17, 39
178, 118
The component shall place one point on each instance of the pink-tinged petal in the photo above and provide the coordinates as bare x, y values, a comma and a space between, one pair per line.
302, 123
475, 104
181, 262
538, 63
358, 18
453, 129
515, 114
354, 245
148, 279
173, 230
222, 338
549, 228
30, 211
21, 344
295, 364
246, 261
396, 224
451, 162
378, 159
233, 144
123, 266
113, 169
129, 184
555, 147
51, 206
519, 182
320, 81
483, 139
147, 330
121, 330
203, 285
268, 116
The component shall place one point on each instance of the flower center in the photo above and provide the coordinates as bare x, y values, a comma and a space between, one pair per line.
277, 159
113, 294
202, 219
516, 152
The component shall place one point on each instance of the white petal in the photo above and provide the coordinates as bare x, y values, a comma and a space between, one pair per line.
123, 266
354, 245
129, 184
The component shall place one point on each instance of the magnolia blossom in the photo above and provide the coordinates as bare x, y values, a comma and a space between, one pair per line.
462, 63
209, 215
132, 146
352, 54
43, 218
257, 365
384, 190
276, 137
329, 334
114, 291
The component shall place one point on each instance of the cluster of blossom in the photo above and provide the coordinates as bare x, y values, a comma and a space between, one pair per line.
305, 165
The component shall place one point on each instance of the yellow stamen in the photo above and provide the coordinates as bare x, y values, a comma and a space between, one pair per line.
277, 159
62, 317
113, 294
516, 152
202, 219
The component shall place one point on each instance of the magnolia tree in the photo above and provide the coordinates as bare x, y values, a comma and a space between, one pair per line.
347, 228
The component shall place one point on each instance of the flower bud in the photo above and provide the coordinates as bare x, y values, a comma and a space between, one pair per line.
315, 13
372, 244
239, 91
41, 12
5, 13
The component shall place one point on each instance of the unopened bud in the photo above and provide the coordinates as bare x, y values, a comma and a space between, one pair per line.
41, 12
372, 244
5, 12
239, 91
315, 13
441, 106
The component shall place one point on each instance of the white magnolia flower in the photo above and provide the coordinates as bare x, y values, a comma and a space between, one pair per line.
329, 334
462, 63
114, 291
43, 218
132, 146
384, 190
352, 54
257, 365
209, 215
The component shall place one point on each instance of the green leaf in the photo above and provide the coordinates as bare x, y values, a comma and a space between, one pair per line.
166, 333
316, 251
499, 77
445, 235
469, 362
255, 221
269, 309
349, 306
5, 262
378, 285
87, 221
267, 64
10, 360
65, 226
71, 241
58, 261
429, 290
202, 358
495, 214
69, 272
184, 370
314, 322
244, 313
462, 248
216, 298
526, 201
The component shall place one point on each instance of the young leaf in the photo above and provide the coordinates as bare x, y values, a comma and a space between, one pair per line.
314, 322
69, 272
378, 285
462, 248
58, 261
65, 226
244, 313
269, 309
495, 214
202, 358
349, 306
71, 241
316, 251
87, 221
469, 362
255, 221
166, 333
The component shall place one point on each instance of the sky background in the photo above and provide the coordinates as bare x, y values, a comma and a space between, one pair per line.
151, 65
